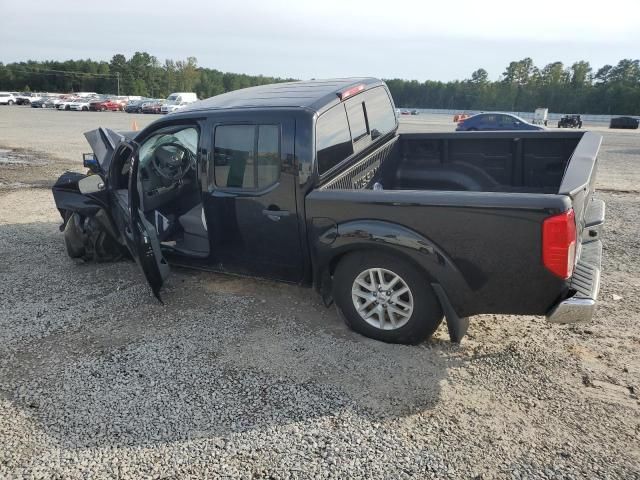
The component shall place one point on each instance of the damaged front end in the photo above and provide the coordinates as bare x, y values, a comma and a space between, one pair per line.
92, 238
89, 231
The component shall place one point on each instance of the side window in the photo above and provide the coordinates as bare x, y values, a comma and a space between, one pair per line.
246, 156
488, 120
380, 112
333, 140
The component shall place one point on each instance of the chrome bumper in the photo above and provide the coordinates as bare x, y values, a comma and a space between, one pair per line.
586, 284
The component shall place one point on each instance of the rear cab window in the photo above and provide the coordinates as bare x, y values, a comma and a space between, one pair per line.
353, 125
333, 140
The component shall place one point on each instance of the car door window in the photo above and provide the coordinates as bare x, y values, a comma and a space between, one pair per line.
509, 122
268, 157
246, 156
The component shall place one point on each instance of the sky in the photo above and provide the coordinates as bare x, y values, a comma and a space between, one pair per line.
409, 39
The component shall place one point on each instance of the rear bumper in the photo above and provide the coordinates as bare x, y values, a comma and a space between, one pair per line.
585, 284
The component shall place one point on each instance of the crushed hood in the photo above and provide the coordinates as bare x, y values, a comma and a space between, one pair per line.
103, 142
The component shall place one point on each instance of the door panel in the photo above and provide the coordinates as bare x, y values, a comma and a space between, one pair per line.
143, 234
251, 208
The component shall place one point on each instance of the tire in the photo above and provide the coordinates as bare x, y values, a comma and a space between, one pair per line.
74, 236
420, 312
10, 103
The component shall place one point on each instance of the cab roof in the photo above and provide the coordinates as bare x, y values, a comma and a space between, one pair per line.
316, 95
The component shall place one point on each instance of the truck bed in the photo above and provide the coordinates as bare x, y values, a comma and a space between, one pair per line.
476, 201
480, 162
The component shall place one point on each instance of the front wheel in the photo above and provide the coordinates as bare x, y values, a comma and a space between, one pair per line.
386, 298
10, 102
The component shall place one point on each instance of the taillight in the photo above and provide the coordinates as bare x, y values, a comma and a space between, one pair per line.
559, 243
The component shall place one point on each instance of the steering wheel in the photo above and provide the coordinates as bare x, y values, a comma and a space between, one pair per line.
172, 161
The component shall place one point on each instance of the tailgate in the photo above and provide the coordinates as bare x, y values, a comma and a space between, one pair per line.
579, 183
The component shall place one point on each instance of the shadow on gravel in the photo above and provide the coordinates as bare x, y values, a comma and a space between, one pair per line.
93, 359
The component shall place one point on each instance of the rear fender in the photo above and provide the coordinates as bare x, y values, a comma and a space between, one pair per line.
395, 239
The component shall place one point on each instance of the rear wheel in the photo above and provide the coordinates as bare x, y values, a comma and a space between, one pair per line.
386, 298
10, 102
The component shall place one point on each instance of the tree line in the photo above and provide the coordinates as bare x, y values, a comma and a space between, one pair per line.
141, 74
612, 89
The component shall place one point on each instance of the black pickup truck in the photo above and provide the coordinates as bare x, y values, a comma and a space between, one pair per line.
311, 183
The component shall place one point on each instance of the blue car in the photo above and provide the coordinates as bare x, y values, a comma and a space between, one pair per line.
495, 121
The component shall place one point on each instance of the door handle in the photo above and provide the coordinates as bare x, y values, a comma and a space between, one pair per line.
275, 215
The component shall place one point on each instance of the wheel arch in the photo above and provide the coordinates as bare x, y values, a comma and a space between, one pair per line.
392, 239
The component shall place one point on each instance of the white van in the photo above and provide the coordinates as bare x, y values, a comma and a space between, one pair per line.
540, 116
177, 100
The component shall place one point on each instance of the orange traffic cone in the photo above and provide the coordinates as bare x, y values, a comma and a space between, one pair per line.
134, 126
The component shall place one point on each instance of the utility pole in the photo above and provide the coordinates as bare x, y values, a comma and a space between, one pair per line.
118, 79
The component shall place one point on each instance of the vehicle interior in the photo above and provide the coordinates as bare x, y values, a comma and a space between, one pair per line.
168, 183
524, 165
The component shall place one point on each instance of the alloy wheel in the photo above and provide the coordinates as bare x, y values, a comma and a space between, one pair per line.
382, 298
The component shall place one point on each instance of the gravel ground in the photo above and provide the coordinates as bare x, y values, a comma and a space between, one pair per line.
241, 378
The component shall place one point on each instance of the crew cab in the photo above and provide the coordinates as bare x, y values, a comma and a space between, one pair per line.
311, 183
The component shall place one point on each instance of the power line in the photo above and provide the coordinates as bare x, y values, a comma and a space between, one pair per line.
63, 72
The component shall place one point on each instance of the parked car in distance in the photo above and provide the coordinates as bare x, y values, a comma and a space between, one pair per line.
65, 103
178, 100
7, 98
570, 121
495, 121
135, 106
39, 103
624, 122
80, 104
26, 98
414, 112
102, 105
53, 102
152, 106
316, 186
